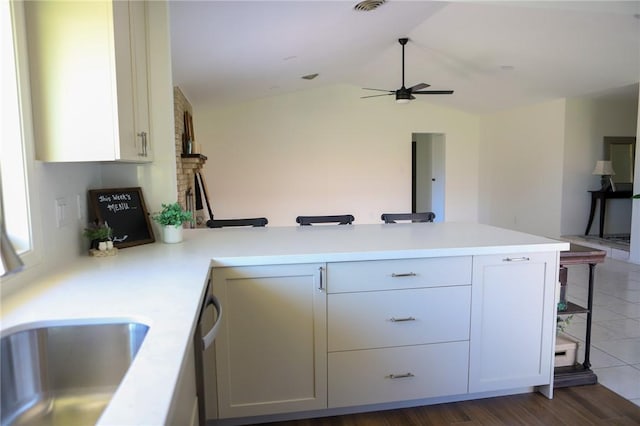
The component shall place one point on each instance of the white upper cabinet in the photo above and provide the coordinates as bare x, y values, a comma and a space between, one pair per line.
88, 70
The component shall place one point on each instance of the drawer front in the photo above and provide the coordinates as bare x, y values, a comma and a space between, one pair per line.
400, 317
396, 374
374, 275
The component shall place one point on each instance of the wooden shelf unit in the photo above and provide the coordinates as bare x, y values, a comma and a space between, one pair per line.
580, 374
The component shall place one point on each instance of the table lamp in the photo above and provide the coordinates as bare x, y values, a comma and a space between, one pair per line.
605, 170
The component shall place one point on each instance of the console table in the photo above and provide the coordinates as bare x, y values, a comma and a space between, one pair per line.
603, 196
580, 374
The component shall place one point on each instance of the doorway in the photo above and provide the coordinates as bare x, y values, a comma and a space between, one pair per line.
428, 174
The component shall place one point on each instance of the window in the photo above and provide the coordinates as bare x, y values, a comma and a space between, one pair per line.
16, 149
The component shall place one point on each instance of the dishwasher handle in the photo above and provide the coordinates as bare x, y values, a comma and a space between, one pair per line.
211, 335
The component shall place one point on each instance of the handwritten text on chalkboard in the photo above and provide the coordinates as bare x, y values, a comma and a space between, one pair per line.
116, 202
123, 209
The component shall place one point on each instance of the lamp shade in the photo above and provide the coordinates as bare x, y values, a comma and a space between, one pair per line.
603, 168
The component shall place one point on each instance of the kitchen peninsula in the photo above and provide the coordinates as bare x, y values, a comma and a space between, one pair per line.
333, 287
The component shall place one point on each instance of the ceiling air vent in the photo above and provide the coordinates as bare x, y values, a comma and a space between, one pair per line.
369, 5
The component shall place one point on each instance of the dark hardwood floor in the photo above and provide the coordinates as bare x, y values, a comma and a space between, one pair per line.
574, 406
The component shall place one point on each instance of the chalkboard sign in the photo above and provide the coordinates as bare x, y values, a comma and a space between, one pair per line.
123, 209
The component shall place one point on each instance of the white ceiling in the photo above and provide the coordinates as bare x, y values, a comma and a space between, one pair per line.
493, 54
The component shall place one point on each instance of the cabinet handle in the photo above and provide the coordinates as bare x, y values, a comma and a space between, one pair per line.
392, 319
399, 376
406, 274
321, 278
211, 335
143, 135
516, 259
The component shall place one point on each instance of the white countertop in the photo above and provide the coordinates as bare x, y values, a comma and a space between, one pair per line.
161, 285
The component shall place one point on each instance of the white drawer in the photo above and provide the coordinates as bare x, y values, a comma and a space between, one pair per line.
375, 376
400, 317
397, 274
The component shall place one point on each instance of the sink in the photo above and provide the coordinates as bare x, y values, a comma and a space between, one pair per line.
64, 374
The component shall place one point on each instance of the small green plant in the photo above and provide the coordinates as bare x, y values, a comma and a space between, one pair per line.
172, 215
563, 322
97, 232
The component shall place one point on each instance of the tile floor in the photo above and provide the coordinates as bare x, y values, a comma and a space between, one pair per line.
615, 336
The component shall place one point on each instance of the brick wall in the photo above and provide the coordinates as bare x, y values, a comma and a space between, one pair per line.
186, 166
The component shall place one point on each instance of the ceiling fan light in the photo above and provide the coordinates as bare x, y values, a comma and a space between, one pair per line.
403, 96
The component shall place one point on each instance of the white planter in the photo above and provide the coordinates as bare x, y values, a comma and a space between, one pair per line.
172, 234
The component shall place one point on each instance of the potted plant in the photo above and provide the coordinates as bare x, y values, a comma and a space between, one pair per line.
99, 234
171, 218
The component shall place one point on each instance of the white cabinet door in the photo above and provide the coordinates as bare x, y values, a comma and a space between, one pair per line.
271, 351
402, 373
346, 277
377, 319
85, 60
130, 23
512, 321
184, 407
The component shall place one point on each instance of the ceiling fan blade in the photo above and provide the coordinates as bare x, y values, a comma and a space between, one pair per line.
375, 96
433, 92
419, 86
379, 90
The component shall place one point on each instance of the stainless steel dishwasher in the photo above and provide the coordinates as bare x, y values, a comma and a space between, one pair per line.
205, 334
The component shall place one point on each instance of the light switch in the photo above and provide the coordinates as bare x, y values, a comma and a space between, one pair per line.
62, 215
80, 207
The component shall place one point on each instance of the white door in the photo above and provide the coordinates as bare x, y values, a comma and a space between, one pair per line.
429, 173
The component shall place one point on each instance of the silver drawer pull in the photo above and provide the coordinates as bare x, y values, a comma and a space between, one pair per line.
516, 259
392, 319
399, 376
143, 135
406, 274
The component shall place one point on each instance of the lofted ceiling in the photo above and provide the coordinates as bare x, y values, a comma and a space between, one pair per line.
495, 55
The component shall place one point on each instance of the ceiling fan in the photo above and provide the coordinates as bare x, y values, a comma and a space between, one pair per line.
403, 94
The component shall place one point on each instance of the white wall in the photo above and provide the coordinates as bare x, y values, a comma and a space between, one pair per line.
327, 151
521, 157
634, 254
58, 245
438, 187
588, 121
